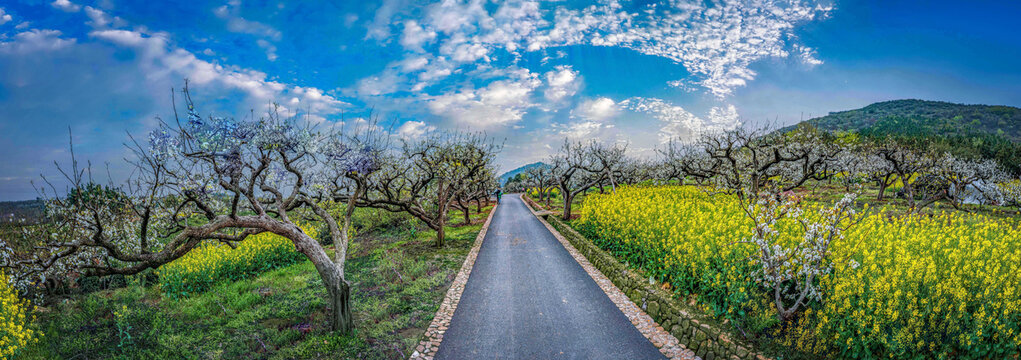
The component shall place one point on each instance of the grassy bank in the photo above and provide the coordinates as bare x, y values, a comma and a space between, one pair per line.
398, 280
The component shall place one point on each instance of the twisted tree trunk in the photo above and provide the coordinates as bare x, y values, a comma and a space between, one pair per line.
331, 271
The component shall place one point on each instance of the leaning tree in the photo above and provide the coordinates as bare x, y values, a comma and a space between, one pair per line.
200, 179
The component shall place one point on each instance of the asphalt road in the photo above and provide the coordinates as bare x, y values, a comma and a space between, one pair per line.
527, 298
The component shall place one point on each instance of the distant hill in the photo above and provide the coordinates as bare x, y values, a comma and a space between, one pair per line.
985, 131
927, 117
507, 175
28, 211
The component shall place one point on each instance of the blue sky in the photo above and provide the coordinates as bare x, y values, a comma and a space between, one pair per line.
530, 72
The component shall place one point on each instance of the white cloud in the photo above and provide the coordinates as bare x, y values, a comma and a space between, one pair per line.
230, 13
414, 129
807, 55
507, 93
238, 24
100, 19
678, 123
597, 110
561, 82
350, 19
35, 40
271, 50
379, 28
501, 103
23, 25
4, 16
382, 84
209, 52
581, 130
65, 5
413, 64
724, 117
414, 35
437, 69
160, 60
716, 44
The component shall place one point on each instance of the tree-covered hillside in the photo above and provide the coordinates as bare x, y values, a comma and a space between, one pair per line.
939, 117
28, 211
521, 170
967, 130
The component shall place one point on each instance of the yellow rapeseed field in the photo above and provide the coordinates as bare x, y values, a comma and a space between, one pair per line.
943, 286
211, 262
15, 320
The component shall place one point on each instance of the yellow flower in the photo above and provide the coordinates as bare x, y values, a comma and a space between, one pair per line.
955, 274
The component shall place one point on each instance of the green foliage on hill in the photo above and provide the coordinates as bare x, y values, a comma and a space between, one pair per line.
927, 117
978, 131
28, 211
519, 171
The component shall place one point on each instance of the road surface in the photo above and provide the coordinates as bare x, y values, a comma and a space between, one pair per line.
527, 298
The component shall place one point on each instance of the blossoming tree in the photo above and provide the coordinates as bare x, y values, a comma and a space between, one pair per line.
200, 179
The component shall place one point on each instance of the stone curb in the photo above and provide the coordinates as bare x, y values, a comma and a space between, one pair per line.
659, 337
433, 336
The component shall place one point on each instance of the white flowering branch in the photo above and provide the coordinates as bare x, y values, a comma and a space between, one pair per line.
790, 268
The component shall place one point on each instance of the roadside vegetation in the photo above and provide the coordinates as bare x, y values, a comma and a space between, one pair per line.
279, 313
247, 238
943, 284
808, 243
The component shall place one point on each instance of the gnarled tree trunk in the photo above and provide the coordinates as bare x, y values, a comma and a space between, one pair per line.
330, 271
567, 205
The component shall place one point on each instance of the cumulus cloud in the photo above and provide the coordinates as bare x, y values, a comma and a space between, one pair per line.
502, 102
414, 35
158, 58
597, 110
678, 123
561, 82
65, 5
4, 16
35, 40
64, 81
100, 19
414, 129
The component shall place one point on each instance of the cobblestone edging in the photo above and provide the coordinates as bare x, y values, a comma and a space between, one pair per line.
430, 343
678, 331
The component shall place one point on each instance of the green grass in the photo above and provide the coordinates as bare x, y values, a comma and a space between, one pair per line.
398, 280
